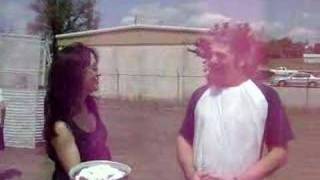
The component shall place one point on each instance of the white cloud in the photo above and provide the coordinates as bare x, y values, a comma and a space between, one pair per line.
128, 20
194, 7
312, 35
304, 33
269, 29
267, 26
151, 13
200, 14
306, 15
14, 15
193, 14
187, 14
206, 20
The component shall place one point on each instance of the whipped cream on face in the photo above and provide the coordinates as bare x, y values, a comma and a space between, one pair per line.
100, 172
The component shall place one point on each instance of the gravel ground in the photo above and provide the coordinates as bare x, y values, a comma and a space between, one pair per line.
143, 136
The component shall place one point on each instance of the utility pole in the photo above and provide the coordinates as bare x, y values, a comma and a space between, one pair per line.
135, 19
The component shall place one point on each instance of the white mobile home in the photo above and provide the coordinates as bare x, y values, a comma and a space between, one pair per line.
22, 74
311, 58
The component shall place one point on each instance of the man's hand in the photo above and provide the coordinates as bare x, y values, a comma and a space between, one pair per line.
276, 158
205, 176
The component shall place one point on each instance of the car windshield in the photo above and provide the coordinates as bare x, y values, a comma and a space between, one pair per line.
301, 75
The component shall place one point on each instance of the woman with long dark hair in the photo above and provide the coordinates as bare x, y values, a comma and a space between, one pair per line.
73, 129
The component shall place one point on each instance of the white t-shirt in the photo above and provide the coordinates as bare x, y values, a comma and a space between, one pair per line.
229, 129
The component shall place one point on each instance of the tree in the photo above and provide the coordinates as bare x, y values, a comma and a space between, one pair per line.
316, 48
285, 48
62, 16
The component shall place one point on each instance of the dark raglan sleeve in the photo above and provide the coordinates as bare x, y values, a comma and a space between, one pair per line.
277, 130
188, 125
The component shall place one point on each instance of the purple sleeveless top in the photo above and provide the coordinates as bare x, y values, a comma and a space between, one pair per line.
91, 146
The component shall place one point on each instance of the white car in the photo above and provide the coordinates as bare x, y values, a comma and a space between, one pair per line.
296, 79
283, 71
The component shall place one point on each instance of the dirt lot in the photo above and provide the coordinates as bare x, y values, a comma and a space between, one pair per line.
143, 136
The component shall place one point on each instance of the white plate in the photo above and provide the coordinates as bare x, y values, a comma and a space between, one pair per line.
120, 166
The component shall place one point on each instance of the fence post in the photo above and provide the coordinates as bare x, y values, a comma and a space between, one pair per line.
178, 87
307, 98
118, 83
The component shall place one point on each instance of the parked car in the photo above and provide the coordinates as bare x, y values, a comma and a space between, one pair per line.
283, 71
296, 79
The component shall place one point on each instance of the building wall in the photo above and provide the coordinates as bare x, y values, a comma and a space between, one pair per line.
154, 64
298, 97
167, 72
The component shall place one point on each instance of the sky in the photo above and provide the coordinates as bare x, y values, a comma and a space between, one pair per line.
298, 19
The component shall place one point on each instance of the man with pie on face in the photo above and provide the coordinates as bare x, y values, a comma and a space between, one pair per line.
230, 119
